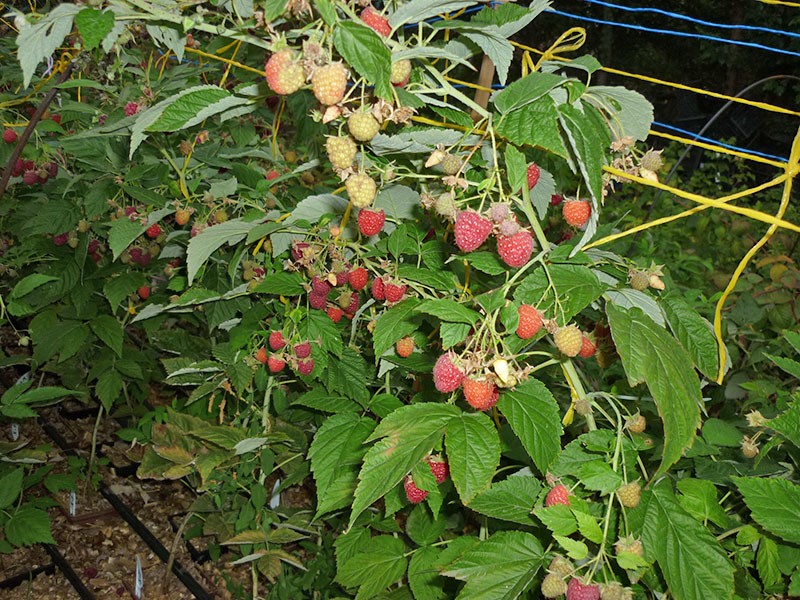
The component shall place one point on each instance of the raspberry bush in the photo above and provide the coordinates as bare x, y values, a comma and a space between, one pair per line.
357, 285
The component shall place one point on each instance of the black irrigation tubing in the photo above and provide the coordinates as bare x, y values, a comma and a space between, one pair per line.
140, 528
69, 572
20, 578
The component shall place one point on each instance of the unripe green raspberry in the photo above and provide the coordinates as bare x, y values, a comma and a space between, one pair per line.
639, 280
363, 126
341, 151
401, 70
553, 586
361, 189
569, 340
451, 164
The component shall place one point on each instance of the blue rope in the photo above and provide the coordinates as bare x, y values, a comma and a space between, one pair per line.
677, 33
702, 138
692, 19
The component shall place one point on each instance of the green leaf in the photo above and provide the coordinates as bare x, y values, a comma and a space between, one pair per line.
203, 245
122, 234
588, 526
28, 284
43, 395
51, 336
534, 417
699, 498
510, 499
767, 562
10, 487
109, 330
694, 564
487, 262
510, 18
494, 44
408, 434
589, 141
631, 114
348, 376
380, 563
448, 310
536, 124
120, 287
283, 284
39, 41
721, 433
423, 577
94, 25
29, 526
526, 91
422, 527
788, 423
597, 475
365, 51
397, 322
574, 287
792, 367
420, 10
193, 106
453, 333
109, 388
576, 549
558, 518
774, 504
695, 334
501, 567
336, 451
649, 354
473, 453
516, 167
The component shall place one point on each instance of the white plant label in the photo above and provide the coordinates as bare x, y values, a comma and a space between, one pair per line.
138, 586
14, 432
73, 503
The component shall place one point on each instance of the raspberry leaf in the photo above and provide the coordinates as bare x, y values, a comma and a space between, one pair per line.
395, 323
694, 564
503, 566
534, 417
473, 451
406, 436
651, 355
425, 583
335, 453
774, 504
510, 499
576, 287
377, 564
365, 51
448, 310
694, 333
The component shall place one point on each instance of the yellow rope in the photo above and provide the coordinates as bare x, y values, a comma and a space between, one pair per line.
655, 223
747, 212
781, 2
225, 60
720, 149
680, 86
792, 169
469, 85
569, 41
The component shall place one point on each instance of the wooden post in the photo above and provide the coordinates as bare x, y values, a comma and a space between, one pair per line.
485, 79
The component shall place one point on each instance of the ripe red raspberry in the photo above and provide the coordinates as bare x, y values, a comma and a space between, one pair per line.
153, 231
144, 292
379, 289
447, 377
515, 250
261, 355
404, 347
533, 175
576, 590
361, 189
363, 126
557, 495
56, 119
439, 468
272, 175
372, 17
341, 151
30, 177
60, 239
9, 136
471, 230
556, 199
358, 278
530, 321
394, 292
320, 286
276, 340
317, 301
335, 313
341, 277
569, 340
275, 364
329, 83
302, 350
587, 348
481, 394
413, 493
370, 222
630, 494
576, 212
19, 168
131, 108
284, 73
305, 366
